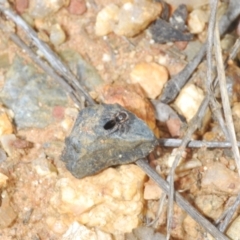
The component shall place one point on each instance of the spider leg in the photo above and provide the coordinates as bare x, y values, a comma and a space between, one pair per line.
114, 129
126, 127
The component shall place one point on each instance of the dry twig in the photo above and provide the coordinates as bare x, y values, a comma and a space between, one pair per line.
192, 127
225, 99
215, 107
234, 50
228, 215
229, 120
194, 124
172, 142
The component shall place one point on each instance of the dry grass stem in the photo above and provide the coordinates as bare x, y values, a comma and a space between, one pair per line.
225, 99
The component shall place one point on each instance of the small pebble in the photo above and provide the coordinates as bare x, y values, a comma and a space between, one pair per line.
106, 57
21, 5
189, 100
6, 142
57, 35
128, 20
236, 109
233, 231
162, 32
174, 127
106, 20
181, 45
44, 8
151, 77
197, 20
58, 112
3, 180
135, 17
191, 164
77, 7
162, 60
227, 42
179, 17
6, 126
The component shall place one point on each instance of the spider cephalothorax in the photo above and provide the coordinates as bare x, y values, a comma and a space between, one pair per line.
117, 122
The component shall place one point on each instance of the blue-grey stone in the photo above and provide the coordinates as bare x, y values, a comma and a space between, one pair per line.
31, 95
86, 73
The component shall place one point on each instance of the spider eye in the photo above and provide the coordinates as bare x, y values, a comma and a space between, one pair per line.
109, 125
122, 116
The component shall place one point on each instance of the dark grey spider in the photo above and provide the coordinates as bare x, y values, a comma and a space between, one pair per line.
117, 122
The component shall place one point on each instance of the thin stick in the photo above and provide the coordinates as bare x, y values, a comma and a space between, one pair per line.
162, 200
225, 99
185, 205
235, 50
194, 124
51, 56
209, 80
211, 26
223, 225
217, 115
215, 106
172, 142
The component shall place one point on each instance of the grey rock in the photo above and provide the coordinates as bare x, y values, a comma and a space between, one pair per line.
179, 17
163, 32
104, 136
31, 95
163, 112
86, 73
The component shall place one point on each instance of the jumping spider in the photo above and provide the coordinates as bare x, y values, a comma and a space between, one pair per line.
117, 122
